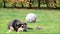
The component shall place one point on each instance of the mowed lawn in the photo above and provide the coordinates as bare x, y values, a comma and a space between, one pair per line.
48, 20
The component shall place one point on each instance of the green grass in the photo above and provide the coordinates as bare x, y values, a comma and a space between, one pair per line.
48, 20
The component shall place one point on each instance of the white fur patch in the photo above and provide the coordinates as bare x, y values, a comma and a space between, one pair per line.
19, 29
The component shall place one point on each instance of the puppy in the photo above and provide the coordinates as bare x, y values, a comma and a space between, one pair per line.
17, 26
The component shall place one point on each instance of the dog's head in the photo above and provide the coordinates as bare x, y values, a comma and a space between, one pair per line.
23, 25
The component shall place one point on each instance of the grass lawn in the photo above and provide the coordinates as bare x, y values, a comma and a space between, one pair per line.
48, 20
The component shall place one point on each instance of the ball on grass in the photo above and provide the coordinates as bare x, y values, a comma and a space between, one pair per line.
31, 17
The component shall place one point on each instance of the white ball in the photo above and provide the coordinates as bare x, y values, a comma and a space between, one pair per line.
31, 17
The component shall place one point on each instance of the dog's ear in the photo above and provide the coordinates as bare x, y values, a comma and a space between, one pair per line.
25, 23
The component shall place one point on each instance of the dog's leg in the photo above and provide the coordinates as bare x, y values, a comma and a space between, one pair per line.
11, 28
20, 29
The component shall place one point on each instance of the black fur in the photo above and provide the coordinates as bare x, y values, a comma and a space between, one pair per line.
16, 24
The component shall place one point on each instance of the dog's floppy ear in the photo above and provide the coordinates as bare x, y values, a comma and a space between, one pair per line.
25, 23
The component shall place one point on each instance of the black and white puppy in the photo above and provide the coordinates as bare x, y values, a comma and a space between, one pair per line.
17, 26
